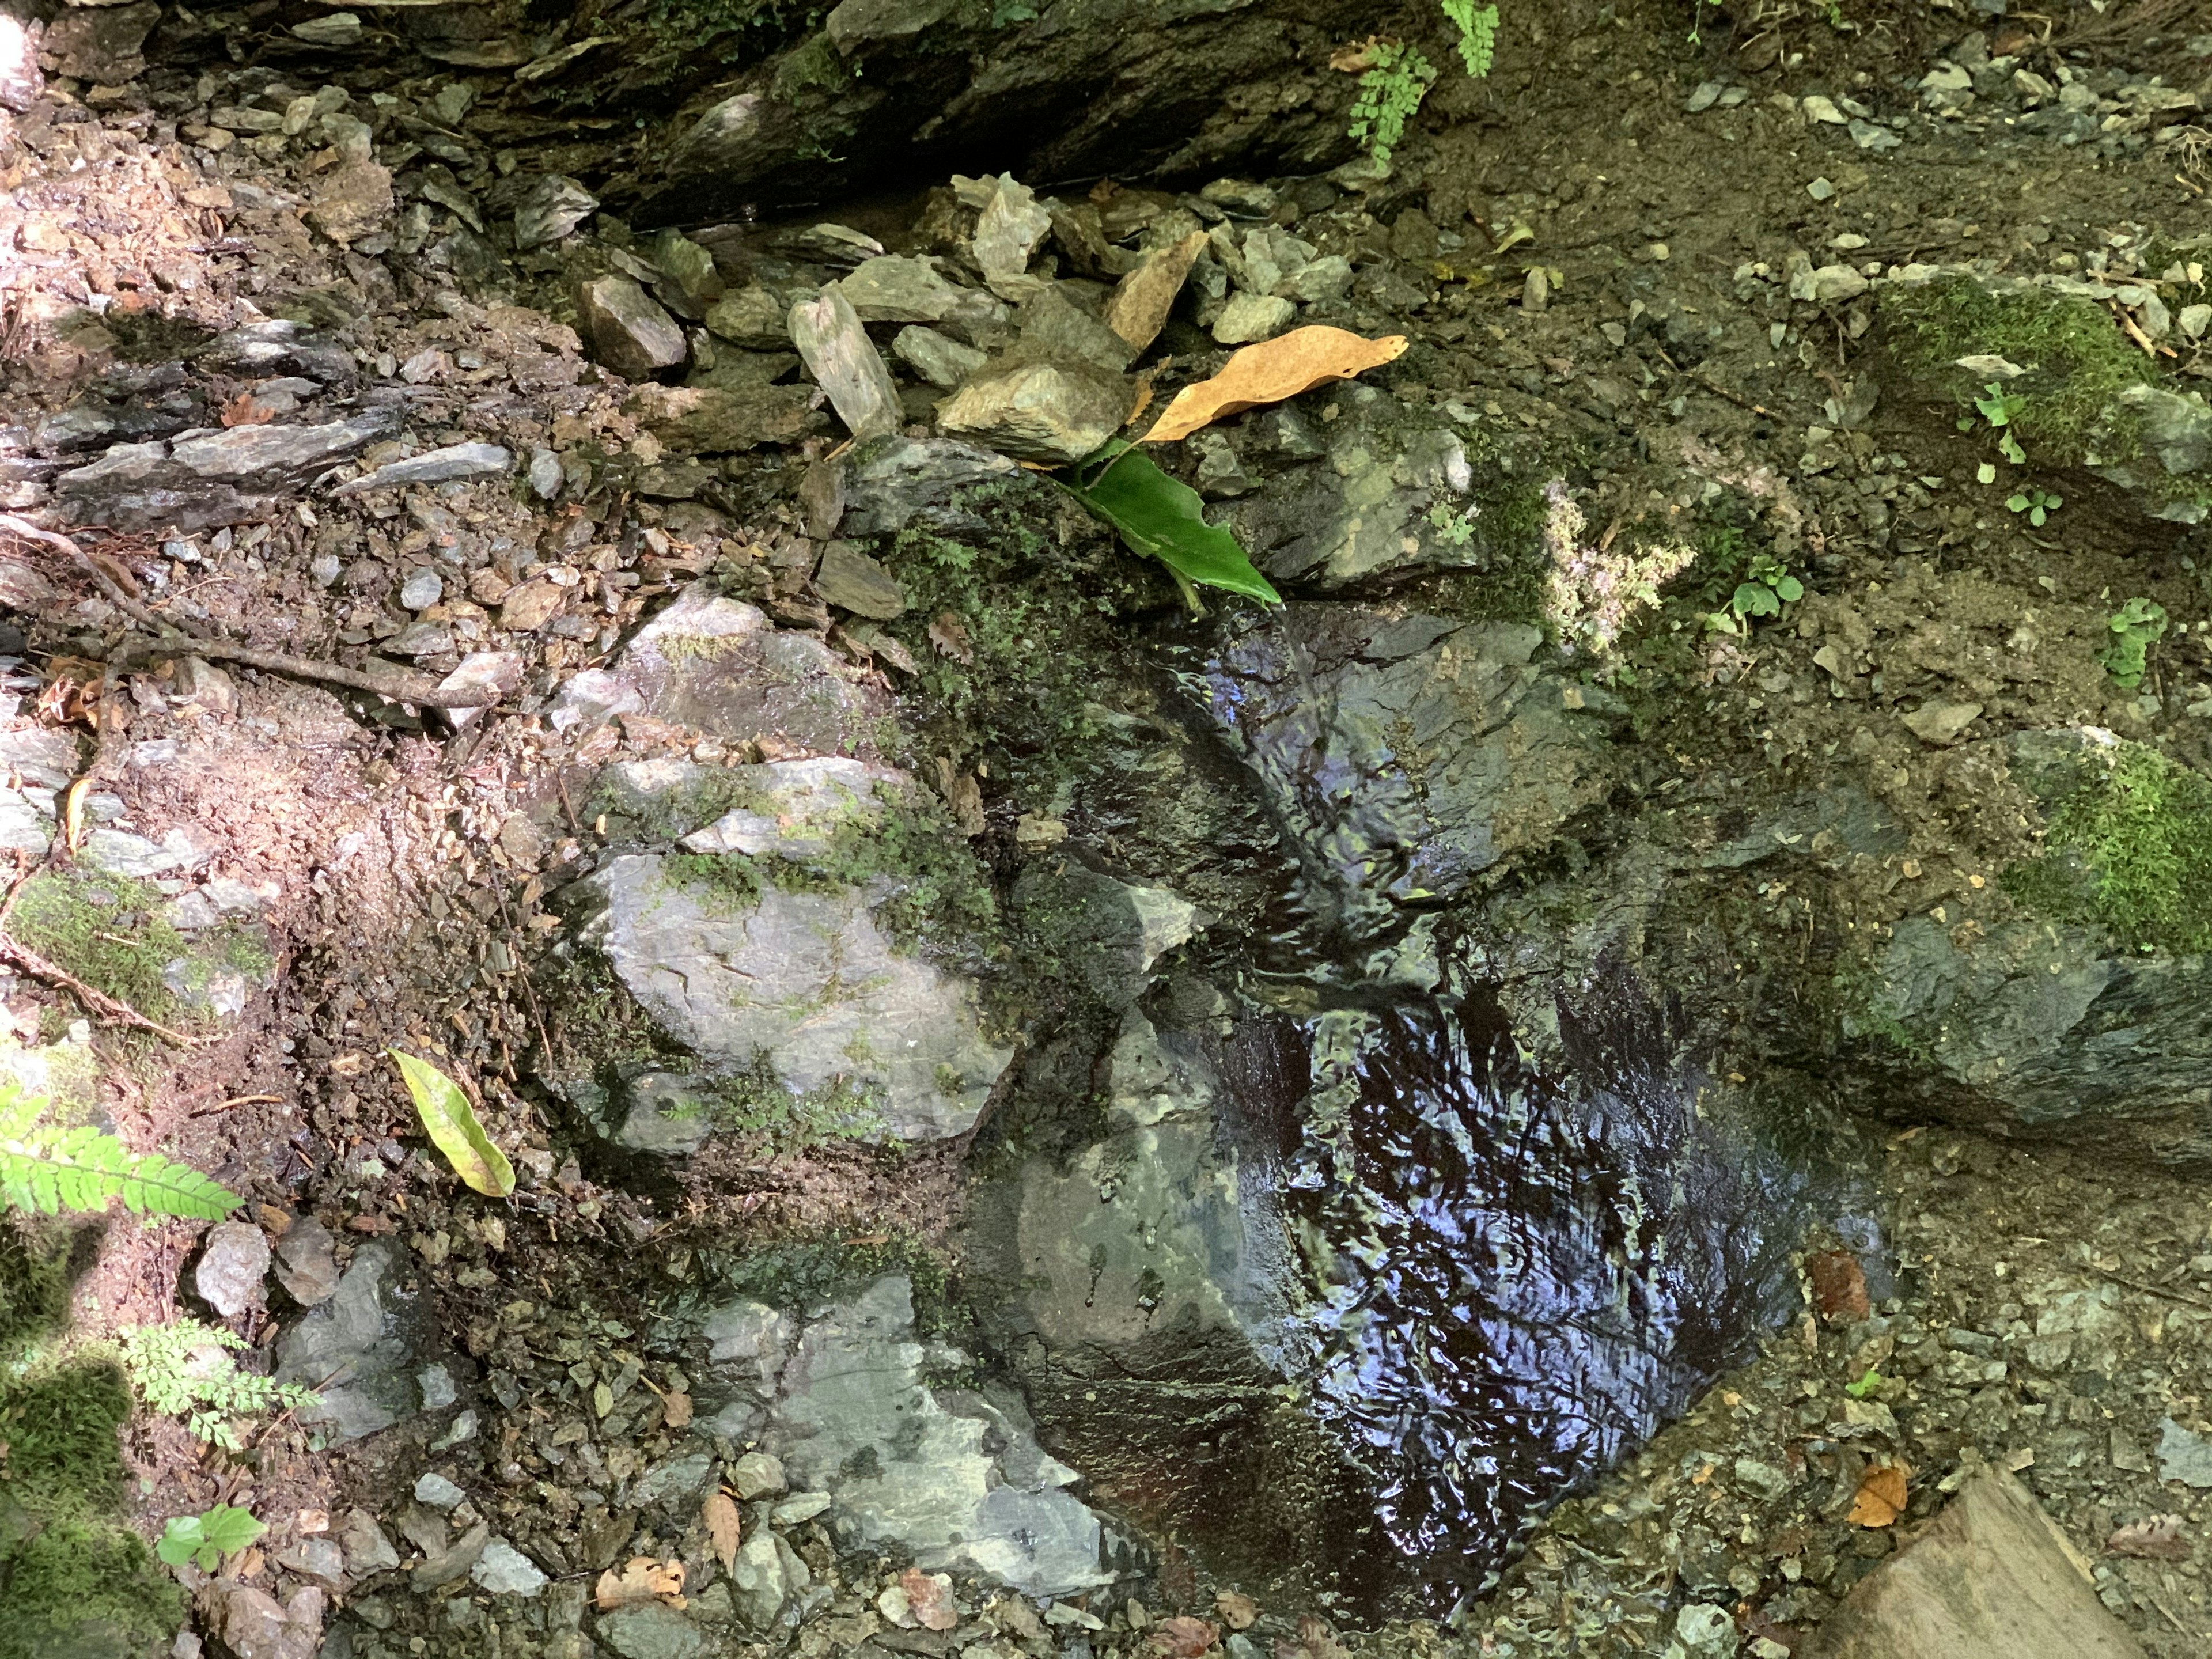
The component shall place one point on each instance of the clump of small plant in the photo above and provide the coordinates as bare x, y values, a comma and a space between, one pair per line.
49, 1168
2130, 849
1999, 407
2134, 627
1767, 586
2037, 504
204, 1540
183, 1368
1394, 77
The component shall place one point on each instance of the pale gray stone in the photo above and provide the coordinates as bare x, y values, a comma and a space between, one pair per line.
504, 1570
1045, 412
846, 364
453, 461
438, 1492
1250, 316
231, 1265
854, 581
627, 329
937, 359
1009, 230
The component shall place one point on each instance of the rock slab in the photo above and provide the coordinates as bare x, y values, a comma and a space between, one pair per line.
1992, 1574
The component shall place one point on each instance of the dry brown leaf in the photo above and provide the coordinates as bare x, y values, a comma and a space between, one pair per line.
1839, 1288
2155, 1537
1272, 371
244, 410
929, 1595
1182, 1637
677, 1406
1238, 1611
949, 634
1314, 1640
1880, 1497
1355, 58
723, 1526
643, 1579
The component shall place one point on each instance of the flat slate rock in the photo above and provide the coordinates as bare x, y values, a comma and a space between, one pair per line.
1991, 1575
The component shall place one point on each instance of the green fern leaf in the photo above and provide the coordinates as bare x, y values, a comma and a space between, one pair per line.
49, 1170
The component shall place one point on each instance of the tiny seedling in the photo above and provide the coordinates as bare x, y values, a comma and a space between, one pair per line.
2037, 504
1766, 587
204, 1540
1453, 529
2136, 626
1998, 407
1866, 1385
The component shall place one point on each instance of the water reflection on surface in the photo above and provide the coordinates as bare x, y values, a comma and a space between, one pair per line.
1530, 1274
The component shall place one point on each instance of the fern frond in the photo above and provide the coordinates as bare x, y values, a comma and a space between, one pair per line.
51, 1170
1478, 33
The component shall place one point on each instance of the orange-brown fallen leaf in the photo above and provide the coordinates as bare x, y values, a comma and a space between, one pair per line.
1272, 371
643, 1579
1880, 1497
677, 1406
723, 1528
1355, 57
1181, 1638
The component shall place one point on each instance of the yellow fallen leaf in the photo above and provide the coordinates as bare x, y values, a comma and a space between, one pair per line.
453, 1127
723, 1528
1880, 1497
1272, 371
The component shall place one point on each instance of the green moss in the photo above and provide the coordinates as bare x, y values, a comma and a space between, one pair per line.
593, 1020
2078, 360
2130, 850
729, 882
60, 1424
755, 1102
78, 1587
109, 932
35, 1272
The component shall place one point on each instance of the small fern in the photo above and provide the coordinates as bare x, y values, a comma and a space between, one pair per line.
1478, 33
183, 1370
50, 1168
1397, 78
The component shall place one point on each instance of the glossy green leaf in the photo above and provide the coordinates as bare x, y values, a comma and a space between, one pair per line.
1159, 517
452, 1126
1755, 599
204, 1540
1790, 589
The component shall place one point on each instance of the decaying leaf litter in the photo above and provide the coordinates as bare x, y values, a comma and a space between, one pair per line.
412, 935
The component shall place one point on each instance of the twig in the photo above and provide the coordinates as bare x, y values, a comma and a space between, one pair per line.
112, 1010
2148, 1288
238, 1100
178, 642
400, 687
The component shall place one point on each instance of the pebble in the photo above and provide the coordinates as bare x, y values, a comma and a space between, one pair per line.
506, 1570
232, 1266
1821, 189
2184, 1456
757, 1475
801, 1506
438, 1492
423, 588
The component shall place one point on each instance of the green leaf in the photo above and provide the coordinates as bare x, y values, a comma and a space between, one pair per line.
2036, 515
1755, 599
2009, 446
2016, 503
1159, 517
228, 1529
180, 1540
1986, 473
1866, 1385
1790, 589
49, 1169
452, 1126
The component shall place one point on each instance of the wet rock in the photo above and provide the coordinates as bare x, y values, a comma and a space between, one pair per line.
720, 664
940, 362
916, 481
851, 580
548, 208
1505, 757
690, 283
1990, 1574
1396, 497
650, 1630
709, 420
802, 993
1106, 932
628, 329
1050, 413
223, 477
357, 1349
443, 465
846, 364
1250, 316
752, 317
914, 1469
503, 1570
231, 1265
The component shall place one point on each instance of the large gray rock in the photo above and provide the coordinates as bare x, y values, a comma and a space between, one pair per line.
2168, 435
1052, 413
900, 482
721, 665
845, 364
1407, 754
217, 478
954, 1479
901, 89
804, 991
1392, 498
2056, 1020
722, 419
651, 1630
1991, 1574
627, 327
441, 465
357, 1349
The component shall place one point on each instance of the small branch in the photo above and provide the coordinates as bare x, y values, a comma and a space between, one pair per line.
112, 1010
400, 687
238, 1100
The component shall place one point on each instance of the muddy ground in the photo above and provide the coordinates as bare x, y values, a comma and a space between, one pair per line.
2041, 1307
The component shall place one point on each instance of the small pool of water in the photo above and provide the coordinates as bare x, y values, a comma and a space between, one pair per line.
1532, 1271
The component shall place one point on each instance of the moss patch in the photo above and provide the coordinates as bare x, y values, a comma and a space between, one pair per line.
2130, 850
59, 1422
79, 1586
109, 932
35, 1270
2078, 360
